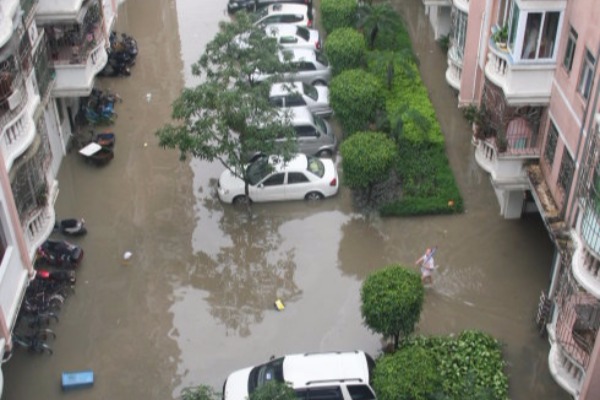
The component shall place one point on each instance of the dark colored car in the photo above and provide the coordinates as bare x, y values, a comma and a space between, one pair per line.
250, 5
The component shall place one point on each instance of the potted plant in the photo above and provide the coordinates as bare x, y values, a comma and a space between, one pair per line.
501, 143
474, 115
500, 37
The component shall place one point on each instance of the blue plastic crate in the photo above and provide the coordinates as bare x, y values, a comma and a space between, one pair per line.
77, 379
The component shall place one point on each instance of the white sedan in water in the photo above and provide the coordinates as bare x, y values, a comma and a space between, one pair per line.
272, 179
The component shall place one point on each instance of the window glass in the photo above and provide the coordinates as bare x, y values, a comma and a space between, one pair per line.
551, 144
288, 39
295, 100
327, 393
587, 74
549, 34
258, 170
303, 33
306, 66
276, 101
315, 166
310, 91
273, 370
565, 175
532, 33
570, 50
320, 124
360, 392
460, 31
274, 180
514, 24
321, 58
290, 18
297, 177
305, 131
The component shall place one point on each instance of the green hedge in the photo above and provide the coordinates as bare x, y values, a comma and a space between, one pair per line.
345, 48
338, 14
367, 158
355, 95
469, 366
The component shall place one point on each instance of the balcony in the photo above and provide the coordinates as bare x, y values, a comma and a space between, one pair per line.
76, 42
524, 83
40, 223
462, 5
7, 12
572, 335
454, 71
586, 259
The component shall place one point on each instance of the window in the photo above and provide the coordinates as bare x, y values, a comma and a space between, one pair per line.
540, 44
459, 31
273, 180
570, 50
321, 58
288, 40
587, 75
276, 101
565, 175
294, 100
328, 393
306, 131
360, 392
3, 243
291, 18
303, 33
551, 144
514, 24
297, 177
305, 66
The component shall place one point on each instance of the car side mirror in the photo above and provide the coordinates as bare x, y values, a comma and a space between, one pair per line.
260, 185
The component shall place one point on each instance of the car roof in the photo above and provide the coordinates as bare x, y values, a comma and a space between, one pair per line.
283, 88
303, 369
298, 162
283, 29
301, 54
300, 115
286, 8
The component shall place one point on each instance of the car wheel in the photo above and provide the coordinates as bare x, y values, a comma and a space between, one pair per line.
319, 83
241, 200
324, 154
312, 196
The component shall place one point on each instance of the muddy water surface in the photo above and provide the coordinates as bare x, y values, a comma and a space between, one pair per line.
196, 300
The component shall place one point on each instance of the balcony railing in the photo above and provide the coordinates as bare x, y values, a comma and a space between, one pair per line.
454, 71
522, 83
13, 97
586, 262
40, 223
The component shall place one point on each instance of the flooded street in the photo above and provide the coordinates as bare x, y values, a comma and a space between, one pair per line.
195, 302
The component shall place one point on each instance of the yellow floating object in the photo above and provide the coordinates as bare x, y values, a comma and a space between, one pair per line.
279, 305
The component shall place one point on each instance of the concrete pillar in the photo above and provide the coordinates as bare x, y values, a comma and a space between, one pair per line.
590, 390
513, 204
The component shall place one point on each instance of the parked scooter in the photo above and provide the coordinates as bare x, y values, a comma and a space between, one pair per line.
124, 44
116, 67
71, 227
60, 254
57, 275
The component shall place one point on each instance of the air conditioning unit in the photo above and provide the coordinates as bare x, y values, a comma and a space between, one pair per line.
15, 99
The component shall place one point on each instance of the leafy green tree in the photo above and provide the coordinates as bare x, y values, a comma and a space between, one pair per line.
338, 14
202, 392
376, 19
273, 390
367, 159
392, 300
345, 48
410, 373
355, 96
227, 116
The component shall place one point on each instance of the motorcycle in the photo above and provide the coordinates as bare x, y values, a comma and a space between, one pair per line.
116, 67
71, 227
125, 44
97, 154
56, 276
60, 254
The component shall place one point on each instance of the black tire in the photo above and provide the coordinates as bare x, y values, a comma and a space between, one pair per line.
325, 154
41, 347
319, 82
313, 196
241, 200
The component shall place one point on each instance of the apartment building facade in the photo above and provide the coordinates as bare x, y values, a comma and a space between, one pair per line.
528, 71
50, 54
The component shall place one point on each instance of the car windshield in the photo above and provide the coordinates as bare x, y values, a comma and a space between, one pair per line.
257, 170
321, 58
320, 124
310, 91
303, 33
315, 166
271, 371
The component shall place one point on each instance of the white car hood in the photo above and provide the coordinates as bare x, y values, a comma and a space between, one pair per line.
236, 387
230, 182
323, 95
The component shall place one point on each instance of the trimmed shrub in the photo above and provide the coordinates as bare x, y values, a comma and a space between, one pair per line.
338, 14
345, 48
409, 373
392, 299
355, 96
367, 158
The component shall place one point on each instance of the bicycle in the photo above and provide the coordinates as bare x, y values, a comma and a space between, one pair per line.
32, 343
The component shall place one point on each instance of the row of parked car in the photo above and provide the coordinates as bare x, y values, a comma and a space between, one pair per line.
311, 174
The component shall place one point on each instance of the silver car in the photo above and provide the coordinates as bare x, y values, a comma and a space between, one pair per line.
308, 66
299, 94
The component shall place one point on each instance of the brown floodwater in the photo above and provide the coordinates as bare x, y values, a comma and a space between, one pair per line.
196, 299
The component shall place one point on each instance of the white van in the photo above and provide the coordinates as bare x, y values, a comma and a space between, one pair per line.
314, 376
